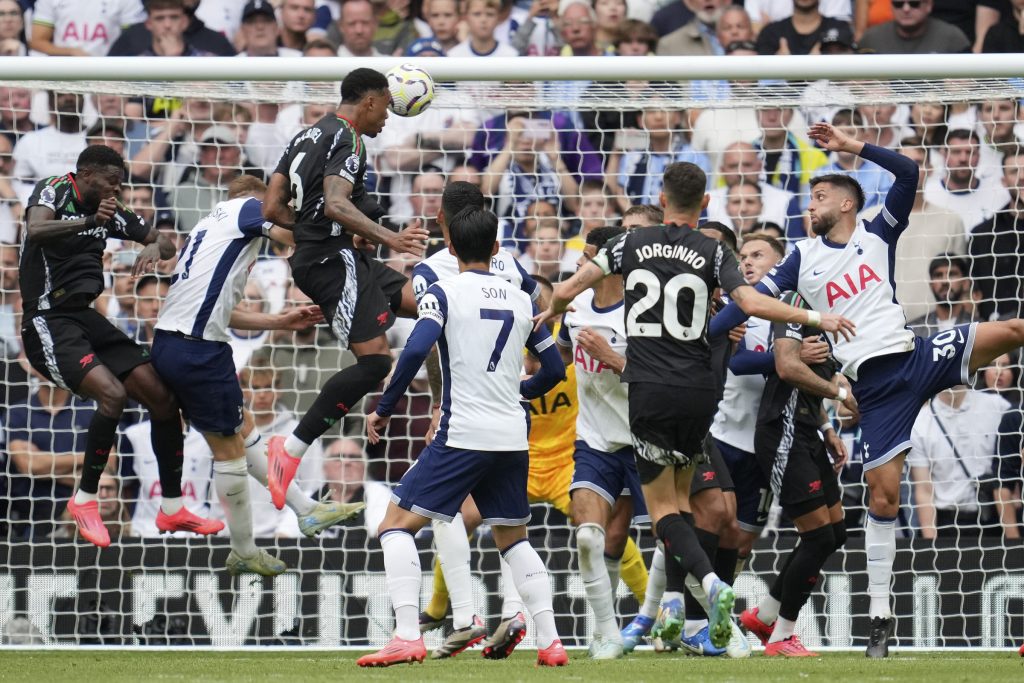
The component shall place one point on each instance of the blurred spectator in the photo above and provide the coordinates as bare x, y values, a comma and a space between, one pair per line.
136, 448
530, 168
953, 446
870, 13
578, 24
114, 502
261, 32
545, 252
81, 29
297, 17
997, 120
880, 128
952, 290
318, 47
1002, 376
1010, 480
637, 166
697, 36
306, 359
395, 28
220, 162
109, 134
609, 15
481, 18
996, 245
124, 113
764, 12
244, 343
10, 302
642, 216
960, 189
10, 206
803, 32
45, 440
1008, 34
260, 383
465, 173
734, 26
15, 107
443, 19
744, 205
931, 230
928, 121
770, 229
138, 39
575, 150
52, 150
972, 17
167, 33
873, 179
538, 34
357, 25
346, 482
740, 162
390, 458
426, 203
789, 160
914, 31
222, 16
675, 14
150, 292
12, 29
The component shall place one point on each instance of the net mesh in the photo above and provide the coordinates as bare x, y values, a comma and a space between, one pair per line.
557, 159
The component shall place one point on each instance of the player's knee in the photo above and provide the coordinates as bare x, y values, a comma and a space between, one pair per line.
375, 366
821, 542
111, 399
885, 500
590, 542
1016, 327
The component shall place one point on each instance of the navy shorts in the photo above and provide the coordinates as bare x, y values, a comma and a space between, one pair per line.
609, 475
442, 477
202, 375
891, 389
753, 497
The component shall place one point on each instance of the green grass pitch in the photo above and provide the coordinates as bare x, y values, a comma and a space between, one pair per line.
314, 665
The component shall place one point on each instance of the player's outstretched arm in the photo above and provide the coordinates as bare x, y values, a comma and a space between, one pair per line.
158, 247
792, 370
552, 369
41, 225
564, 292
338, 207
298, 318
755, 303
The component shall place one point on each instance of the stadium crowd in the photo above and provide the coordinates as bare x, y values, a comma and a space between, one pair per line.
553, 176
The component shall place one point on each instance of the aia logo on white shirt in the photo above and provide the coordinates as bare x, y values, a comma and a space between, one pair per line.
850, 285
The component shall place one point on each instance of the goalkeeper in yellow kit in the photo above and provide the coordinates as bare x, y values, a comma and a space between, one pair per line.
552, 444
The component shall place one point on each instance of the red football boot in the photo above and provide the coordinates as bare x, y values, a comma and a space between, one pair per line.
90, 524
183, 520
749, 621
398, 651
553, 655
790, 647
281, 469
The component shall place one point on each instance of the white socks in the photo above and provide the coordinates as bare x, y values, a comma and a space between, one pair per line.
613, 565
256, 459
81, 497
232, 483
453, 552
402, 567
590, 542
168, 505
531, 579
707, 582
655, 584
511, 601
784, 628
692, 627
698, 592
880, 544
768, 610
295, 446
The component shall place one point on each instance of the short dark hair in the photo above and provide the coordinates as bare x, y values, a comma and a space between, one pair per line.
949, 260
147, 280
962, 134
649, 211
599, 237
99, 156
361, 82
473, 233
104, 128
728, 236
844, 182
154, 5
771, 240
848, 117
684, 185
459, 195
634, 29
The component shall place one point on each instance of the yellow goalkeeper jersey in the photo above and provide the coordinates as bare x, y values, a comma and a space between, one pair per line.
553, 425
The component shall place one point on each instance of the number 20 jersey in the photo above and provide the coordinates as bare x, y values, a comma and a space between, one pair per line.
669, 274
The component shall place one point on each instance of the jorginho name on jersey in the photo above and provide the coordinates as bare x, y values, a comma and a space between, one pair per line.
209, 278
856, 279
602, 421
442, 265
669, 274
480, 406
330, 147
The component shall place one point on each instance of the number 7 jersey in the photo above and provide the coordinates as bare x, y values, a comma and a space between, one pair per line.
486, 322
669, 273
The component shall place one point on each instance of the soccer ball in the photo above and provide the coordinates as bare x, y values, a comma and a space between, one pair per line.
412, 90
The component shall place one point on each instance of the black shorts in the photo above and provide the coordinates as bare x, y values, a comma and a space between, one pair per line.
669, 425
65, 345
357, 293
798, 469
712, 474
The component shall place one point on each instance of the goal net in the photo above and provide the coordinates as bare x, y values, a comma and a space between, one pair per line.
557, 158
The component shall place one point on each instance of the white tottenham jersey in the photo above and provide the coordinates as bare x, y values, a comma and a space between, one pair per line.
854, 280
603, 417
92, 26
443, 265
486, 323
736, 418
196, 479
209, 279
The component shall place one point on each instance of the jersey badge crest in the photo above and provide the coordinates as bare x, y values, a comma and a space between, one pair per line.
48, 197
352, 164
